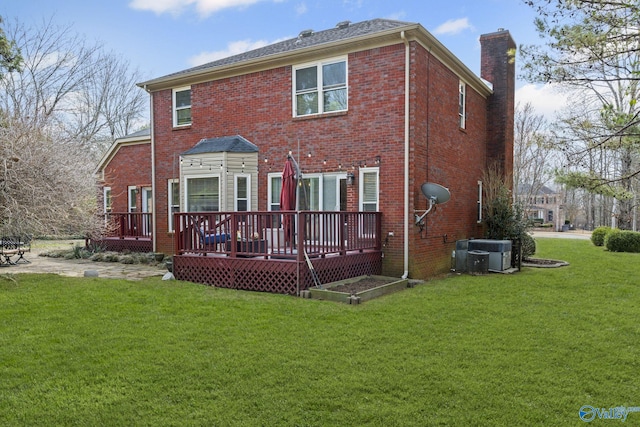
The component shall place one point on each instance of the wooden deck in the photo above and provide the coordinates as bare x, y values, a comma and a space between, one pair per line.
127, 231
265, 251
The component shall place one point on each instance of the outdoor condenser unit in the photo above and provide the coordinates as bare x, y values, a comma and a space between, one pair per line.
461, 255
499, 252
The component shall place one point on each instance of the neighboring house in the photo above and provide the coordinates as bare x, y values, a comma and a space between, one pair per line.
370, 111
543, 204
124, 176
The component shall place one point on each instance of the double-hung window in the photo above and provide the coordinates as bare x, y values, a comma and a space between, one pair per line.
369, 184
182, 106
479, 203
173, 199
108, 203
203, 194
133, 196
369, 198
320, 88
242, 193
462, 109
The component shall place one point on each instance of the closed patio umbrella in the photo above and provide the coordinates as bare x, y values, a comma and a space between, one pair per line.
288, 196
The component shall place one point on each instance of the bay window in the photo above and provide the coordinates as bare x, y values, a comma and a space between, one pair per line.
203, 194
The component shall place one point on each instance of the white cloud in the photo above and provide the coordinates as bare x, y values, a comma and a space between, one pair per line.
453, 26
301, 9
547, 100
398, 16
175, 7
233, 48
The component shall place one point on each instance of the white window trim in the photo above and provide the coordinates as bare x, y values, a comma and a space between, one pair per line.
235, 190
362, 171
106, 190
319, 177
270, 177
129, 206
174, 109
170, 201
462, 96
318, 65
186, 188
479, 202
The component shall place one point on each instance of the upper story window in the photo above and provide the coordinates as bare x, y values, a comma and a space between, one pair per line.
182, 106
462, 109
320, 87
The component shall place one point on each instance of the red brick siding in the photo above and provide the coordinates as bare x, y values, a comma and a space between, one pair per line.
500, 111
131, 165
258, 106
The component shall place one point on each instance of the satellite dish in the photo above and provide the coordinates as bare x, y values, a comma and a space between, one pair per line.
436, 194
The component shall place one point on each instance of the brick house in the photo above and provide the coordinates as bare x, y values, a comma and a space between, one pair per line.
370, 111
124, 176
543, 205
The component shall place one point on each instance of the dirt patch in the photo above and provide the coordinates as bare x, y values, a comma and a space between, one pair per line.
361, 285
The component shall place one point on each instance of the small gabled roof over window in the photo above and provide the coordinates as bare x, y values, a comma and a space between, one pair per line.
225, 144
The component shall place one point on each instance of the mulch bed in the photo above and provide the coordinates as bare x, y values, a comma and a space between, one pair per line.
540, 262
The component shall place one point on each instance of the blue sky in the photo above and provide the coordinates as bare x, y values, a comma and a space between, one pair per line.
163, 36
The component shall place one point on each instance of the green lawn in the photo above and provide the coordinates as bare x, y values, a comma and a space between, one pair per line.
522, 349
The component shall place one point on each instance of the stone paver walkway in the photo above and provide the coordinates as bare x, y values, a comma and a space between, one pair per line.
77, 267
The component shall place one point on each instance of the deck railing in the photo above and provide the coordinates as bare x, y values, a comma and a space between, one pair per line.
276, 235
128, 224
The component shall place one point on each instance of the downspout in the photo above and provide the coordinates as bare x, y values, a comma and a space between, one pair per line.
153, 174
407, 214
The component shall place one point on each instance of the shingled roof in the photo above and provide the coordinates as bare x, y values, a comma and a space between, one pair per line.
342, 39
228, 144
307, 38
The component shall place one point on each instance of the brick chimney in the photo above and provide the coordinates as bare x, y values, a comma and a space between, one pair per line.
498, 67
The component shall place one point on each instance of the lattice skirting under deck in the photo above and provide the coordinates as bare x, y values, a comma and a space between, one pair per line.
121, 245
272, 275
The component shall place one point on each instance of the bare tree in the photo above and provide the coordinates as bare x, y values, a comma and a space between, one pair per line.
58, 113
88, 95
45, 187
533, 159
593, 47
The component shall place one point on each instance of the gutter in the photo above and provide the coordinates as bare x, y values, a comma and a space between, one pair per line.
154, 234
407, 214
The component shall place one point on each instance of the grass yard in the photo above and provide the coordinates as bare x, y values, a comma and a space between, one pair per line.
499, 350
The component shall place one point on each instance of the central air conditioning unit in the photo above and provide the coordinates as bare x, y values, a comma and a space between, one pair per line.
499, 252
460, 254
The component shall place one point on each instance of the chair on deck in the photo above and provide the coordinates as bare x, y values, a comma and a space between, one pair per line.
211, 239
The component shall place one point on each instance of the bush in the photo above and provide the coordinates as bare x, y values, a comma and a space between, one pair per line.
528, 245
97, 257
622, 241
599, 234
127, 259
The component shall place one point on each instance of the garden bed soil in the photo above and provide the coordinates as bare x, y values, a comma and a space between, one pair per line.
357, 290
361, 285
